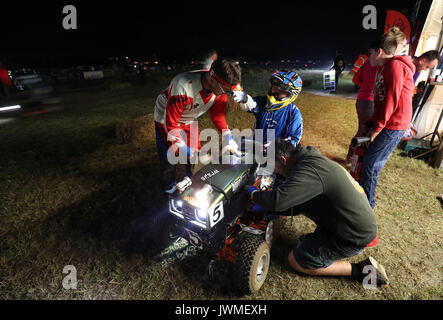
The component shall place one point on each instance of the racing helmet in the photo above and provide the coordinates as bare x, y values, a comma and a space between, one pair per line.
287, 81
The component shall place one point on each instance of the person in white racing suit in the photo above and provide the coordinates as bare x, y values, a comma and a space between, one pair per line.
177, 108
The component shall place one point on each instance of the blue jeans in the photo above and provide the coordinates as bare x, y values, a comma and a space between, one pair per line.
375, 157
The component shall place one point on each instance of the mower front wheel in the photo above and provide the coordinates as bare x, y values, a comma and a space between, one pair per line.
252, 263
163, 231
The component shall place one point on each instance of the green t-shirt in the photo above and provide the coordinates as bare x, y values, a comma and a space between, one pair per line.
327, 194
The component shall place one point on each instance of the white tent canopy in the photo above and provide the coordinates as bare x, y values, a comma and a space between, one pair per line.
432, 33
431, 39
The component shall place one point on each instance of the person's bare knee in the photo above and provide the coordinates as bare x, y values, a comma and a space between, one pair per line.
294, 264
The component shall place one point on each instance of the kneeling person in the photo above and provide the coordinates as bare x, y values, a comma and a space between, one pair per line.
324, 192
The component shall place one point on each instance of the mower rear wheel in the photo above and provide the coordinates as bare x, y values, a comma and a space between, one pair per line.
252, 262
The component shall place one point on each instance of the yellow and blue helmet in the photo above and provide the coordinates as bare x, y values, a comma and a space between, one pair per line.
287, 81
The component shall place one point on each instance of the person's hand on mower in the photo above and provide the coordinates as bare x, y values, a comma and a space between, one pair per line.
258, 208
229, 142
184, 149
373, 134
204, 158
250, 190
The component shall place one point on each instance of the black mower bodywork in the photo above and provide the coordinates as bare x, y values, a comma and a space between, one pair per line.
212, 211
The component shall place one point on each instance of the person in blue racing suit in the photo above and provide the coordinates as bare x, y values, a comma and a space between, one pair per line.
277, 110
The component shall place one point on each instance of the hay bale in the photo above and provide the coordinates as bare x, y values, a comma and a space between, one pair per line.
139, 131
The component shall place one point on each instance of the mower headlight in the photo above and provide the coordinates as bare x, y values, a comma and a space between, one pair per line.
202, 197
176, 207
201, 215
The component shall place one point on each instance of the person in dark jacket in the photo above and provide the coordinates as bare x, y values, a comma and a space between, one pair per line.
323, 191
339, 66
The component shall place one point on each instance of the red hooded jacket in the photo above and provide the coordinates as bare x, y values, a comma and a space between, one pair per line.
394, 88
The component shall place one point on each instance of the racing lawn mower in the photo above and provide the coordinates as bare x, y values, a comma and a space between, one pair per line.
212, 212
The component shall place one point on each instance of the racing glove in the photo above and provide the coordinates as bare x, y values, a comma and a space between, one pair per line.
239, 96
246, 103
204, 158
229, 142
250, 190
257, 208
186, 150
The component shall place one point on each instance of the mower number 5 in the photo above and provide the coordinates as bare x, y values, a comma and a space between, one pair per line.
217, 214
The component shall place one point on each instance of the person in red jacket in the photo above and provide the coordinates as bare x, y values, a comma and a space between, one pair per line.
394, 88
5, 81
364, 78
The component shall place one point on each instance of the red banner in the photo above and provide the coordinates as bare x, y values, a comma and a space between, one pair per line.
397, 19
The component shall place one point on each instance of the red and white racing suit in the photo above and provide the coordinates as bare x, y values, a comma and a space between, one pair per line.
181, 104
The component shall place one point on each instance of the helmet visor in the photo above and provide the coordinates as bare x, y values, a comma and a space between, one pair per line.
280, 85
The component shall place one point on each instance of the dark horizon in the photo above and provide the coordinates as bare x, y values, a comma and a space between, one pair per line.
32, 34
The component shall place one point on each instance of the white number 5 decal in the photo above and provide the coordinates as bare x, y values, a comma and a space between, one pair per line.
217, 215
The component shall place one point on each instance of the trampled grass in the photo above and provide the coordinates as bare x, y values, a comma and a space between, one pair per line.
70, 193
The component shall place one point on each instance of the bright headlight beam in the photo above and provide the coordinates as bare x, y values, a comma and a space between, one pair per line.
201, 214
201, 197
9, 108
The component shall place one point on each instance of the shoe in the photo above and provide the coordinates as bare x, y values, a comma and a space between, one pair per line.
332, 92
382, 278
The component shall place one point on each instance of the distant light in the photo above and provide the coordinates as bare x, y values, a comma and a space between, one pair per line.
156, 62
15, 107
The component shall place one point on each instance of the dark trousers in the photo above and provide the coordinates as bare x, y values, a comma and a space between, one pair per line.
168, 170
337, 76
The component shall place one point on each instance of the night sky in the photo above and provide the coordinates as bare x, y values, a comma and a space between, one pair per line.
249, 30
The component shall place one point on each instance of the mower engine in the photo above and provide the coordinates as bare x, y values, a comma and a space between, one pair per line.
208, 201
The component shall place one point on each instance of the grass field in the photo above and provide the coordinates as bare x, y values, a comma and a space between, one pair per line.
71, 193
